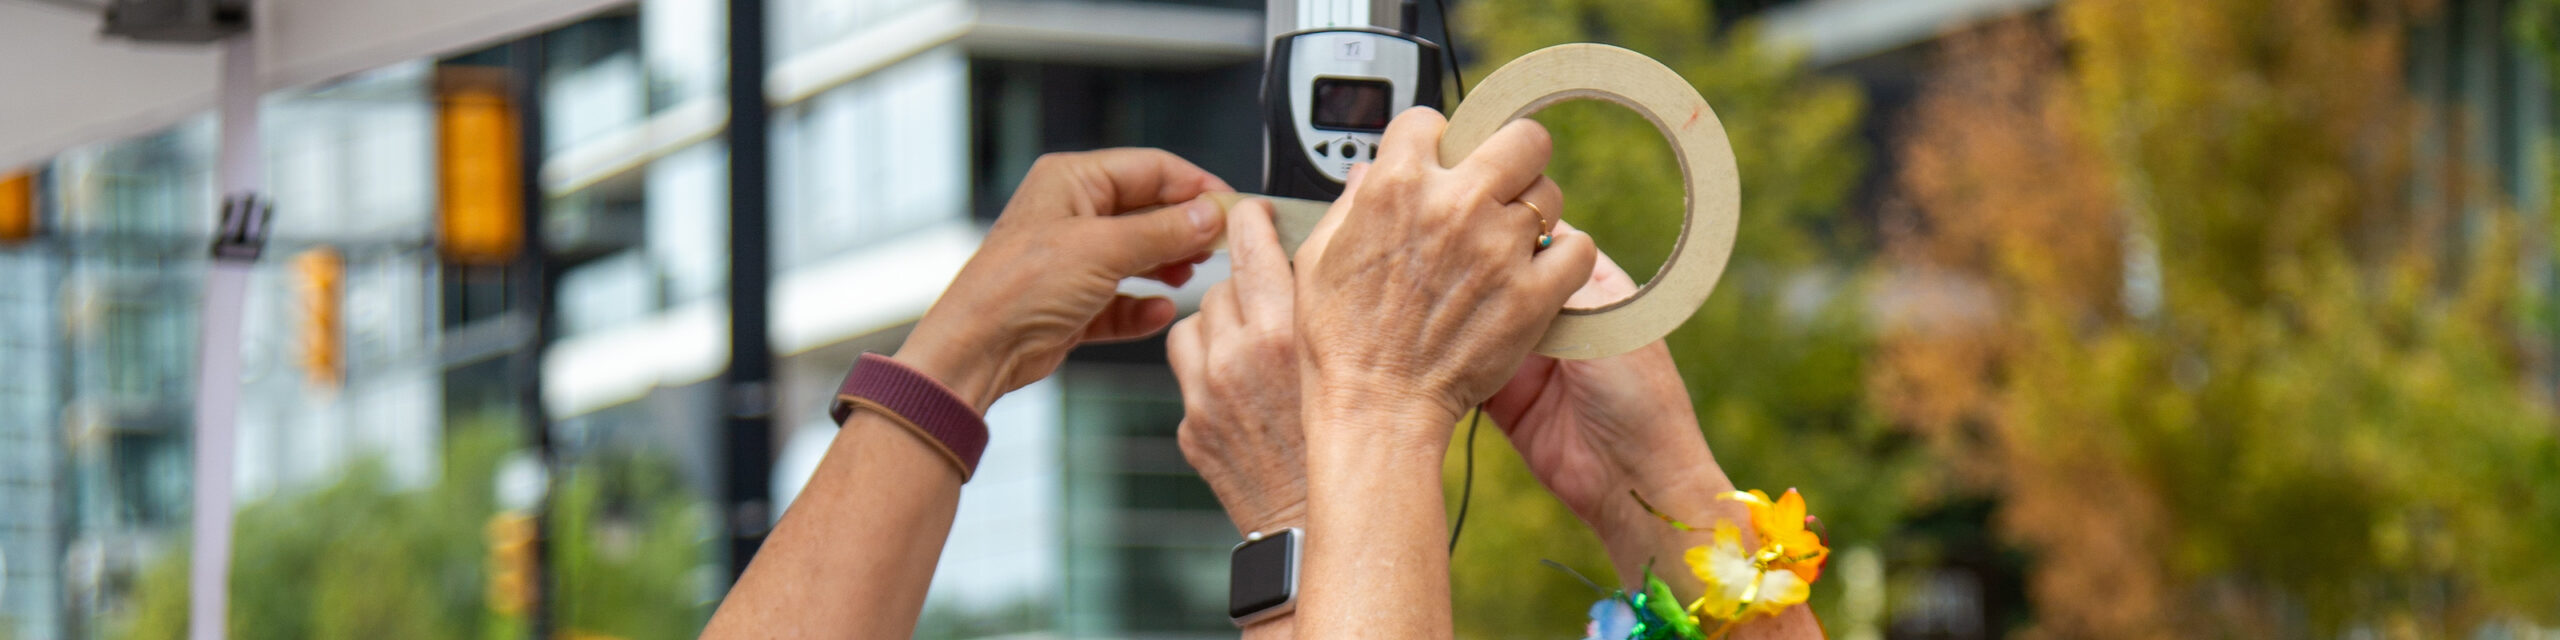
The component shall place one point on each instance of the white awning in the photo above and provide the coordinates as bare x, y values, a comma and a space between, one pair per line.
1831, 32
67, 85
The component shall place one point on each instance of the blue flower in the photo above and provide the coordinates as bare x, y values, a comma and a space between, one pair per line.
1611, 619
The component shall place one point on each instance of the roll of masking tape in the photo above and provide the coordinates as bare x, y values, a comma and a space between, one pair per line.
1710, 211
1711, 208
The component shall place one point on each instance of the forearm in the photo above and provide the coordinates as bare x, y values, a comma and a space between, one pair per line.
1376, 566
1635, 538
856, 552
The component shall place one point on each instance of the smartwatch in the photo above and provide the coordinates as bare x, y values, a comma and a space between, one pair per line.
1262, 575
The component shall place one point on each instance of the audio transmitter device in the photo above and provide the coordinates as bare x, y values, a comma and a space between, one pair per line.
1327, 95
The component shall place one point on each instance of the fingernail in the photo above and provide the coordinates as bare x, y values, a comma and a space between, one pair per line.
1201, 211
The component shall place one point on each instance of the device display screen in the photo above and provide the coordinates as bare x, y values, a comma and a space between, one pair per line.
1354, 105
1261, 579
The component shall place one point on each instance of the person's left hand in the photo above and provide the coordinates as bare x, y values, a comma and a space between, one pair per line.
1237, 362
1047, 277
1594, 430
1588, 428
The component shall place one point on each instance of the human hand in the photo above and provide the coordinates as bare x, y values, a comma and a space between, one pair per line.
1425, 287
1593, 430
1047, 276
1237, 362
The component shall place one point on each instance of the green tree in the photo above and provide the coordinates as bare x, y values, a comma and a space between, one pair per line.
631, 551
361, 558
1775, 360
2178, 310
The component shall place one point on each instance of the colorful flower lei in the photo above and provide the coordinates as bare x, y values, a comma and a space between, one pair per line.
1740, 584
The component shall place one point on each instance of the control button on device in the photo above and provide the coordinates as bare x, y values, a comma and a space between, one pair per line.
1320, 149
1350, 149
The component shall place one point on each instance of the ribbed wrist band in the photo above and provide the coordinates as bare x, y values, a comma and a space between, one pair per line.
917, 402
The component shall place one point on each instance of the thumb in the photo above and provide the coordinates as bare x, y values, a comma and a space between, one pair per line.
1140, 241
1608, 283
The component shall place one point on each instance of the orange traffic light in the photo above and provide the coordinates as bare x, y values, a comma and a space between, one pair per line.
319, 283
511, 567
479, 175
17, 206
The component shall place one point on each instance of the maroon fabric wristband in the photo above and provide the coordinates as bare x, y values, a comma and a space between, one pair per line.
919, 403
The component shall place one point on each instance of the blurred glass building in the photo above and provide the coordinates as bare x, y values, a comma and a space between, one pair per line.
899, 127
102, 337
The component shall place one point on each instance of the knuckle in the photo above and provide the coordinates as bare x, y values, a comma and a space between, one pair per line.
1390, 181
1267, 339
1050, 161
1475, 199
1199, 449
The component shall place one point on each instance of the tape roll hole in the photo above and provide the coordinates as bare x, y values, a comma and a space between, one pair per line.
1626, 193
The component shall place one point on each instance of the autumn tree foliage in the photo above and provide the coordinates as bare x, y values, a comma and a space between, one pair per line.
2161, 286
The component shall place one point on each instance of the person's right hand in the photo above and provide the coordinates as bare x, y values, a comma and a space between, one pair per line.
1425, 287
1047, 277
1237, 361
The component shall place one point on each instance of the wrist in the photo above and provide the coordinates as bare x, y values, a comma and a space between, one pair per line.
1281, 625
1675, 461
965, 366
1285, 516
1686, 492
1365, 423
1352, 392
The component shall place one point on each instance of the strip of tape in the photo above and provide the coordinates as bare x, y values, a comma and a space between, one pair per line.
1711, 208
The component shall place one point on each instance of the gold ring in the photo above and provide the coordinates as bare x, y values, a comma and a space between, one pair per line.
1544, 238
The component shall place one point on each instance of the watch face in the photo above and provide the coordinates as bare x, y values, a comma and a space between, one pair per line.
1264, 576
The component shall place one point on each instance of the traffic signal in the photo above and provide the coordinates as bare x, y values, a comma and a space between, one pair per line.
17, 206
511, 563
319, 287
479, 173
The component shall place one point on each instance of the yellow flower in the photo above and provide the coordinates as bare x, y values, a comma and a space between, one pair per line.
1783, 538
1738, 586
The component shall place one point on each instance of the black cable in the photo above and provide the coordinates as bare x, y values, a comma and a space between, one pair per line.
1449, 47
1468, 493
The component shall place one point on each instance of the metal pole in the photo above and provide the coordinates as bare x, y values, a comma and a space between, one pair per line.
746, 391
529, 299
240, 232
1283, 16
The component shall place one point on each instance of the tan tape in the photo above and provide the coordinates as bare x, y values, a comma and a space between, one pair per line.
1710, 212
1294, 218
1711, 209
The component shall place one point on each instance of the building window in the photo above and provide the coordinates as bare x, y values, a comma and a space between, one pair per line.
1211, 117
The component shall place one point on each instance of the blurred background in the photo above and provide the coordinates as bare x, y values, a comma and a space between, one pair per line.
2072, 318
